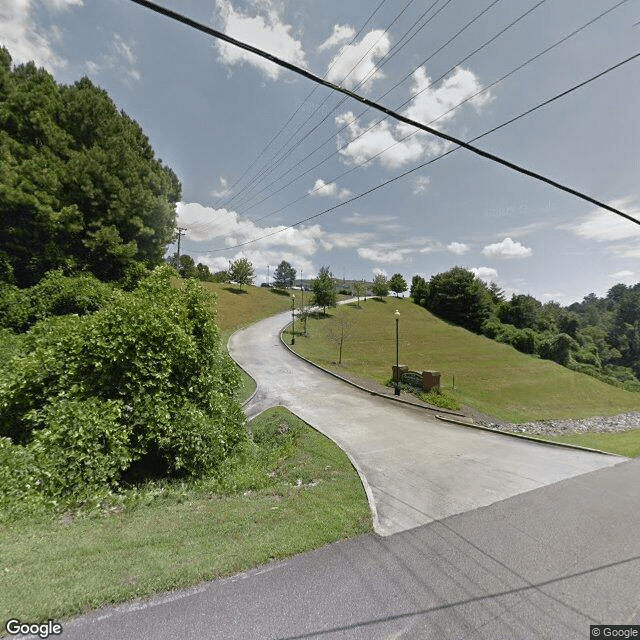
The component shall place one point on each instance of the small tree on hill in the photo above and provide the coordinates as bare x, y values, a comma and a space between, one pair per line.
241, 271
380, 286
284, 276
397, 284
359, 290
324, 290
339, 331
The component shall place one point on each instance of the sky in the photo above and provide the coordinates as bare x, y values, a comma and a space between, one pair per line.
258, 148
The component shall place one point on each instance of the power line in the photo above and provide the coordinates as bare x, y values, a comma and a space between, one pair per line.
424, 164
370, 103
373, 125
282, 154
430, 85
366, 22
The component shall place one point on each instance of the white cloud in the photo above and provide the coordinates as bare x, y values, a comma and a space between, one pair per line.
553, 296
322, 188
120, 59
603, 226
344, 240
355, 63
379, 272
406, 143
458, 248
420, 184
378, 141
507, 249
24, 39
341, 33
622, 274
396, 256
207, 223
224, 190
485, 273
266, 32
431, 103
359, 219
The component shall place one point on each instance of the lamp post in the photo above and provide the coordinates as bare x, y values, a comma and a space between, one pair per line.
397, 376
293, 318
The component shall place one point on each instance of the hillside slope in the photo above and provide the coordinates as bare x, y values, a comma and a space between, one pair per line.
490, 377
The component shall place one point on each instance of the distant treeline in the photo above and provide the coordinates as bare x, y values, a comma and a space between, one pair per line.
598, 336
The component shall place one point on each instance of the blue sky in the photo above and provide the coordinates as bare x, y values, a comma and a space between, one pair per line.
209, 111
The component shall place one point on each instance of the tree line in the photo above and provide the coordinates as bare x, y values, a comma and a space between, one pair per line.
598, 336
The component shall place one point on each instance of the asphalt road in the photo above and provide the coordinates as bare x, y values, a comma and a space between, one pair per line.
544, 564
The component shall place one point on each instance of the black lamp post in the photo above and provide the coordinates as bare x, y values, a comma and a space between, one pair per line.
293, 318
397, 376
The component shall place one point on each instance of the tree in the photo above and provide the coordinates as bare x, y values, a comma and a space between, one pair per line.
241, 271
457, 295
360, 290
497, 294
523, 311
82, 189
220, 276
203, 272
324, 290
380, 286
187, 267
339, 331
284, 276
419, 290
397, 284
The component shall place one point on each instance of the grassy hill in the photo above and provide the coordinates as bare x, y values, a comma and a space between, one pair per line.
491, 377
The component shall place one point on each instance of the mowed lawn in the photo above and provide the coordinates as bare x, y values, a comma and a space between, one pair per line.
490, 377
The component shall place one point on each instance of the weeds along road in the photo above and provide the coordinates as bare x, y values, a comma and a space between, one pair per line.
415, 468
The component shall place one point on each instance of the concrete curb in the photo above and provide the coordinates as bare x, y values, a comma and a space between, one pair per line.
357, 386
450, 413
524, 436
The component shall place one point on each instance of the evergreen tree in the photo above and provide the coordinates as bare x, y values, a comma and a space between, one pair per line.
284, 276
82, 189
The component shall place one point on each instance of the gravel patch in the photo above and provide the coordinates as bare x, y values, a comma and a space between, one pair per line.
601, 424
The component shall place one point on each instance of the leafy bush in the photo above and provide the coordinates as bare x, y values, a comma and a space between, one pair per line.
558, 348
138, 389
440, 399
55, 295
81, 445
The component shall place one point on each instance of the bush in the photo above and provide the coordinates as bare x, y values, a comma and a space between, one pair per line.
136, 389
440, 399
55, 295
558, 348
81, 446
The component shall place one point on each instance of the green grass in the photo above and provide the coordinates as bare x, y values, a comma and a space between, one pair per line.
491, 377
176, 536
626, 443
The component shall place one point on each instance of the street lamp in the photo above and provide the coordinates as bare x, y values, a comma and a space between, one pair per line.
293, 318
397, 376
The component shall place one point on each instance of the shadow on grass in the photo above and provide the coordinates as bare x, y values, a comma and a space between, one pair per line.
281, 292
383, 300
235, 290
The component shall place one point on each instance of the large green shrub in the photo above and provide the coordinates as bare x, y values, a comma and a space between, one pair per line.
139, 388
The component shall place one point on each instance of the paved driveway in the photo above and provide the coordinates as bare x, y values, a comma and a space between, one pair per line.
415, 468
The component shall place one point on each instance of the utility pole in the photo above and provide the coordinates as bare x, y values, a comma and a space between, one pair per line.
181, 232
267, 275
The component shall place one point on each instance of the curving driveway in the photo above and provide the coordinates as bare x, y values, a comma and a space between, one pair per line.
415, 468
